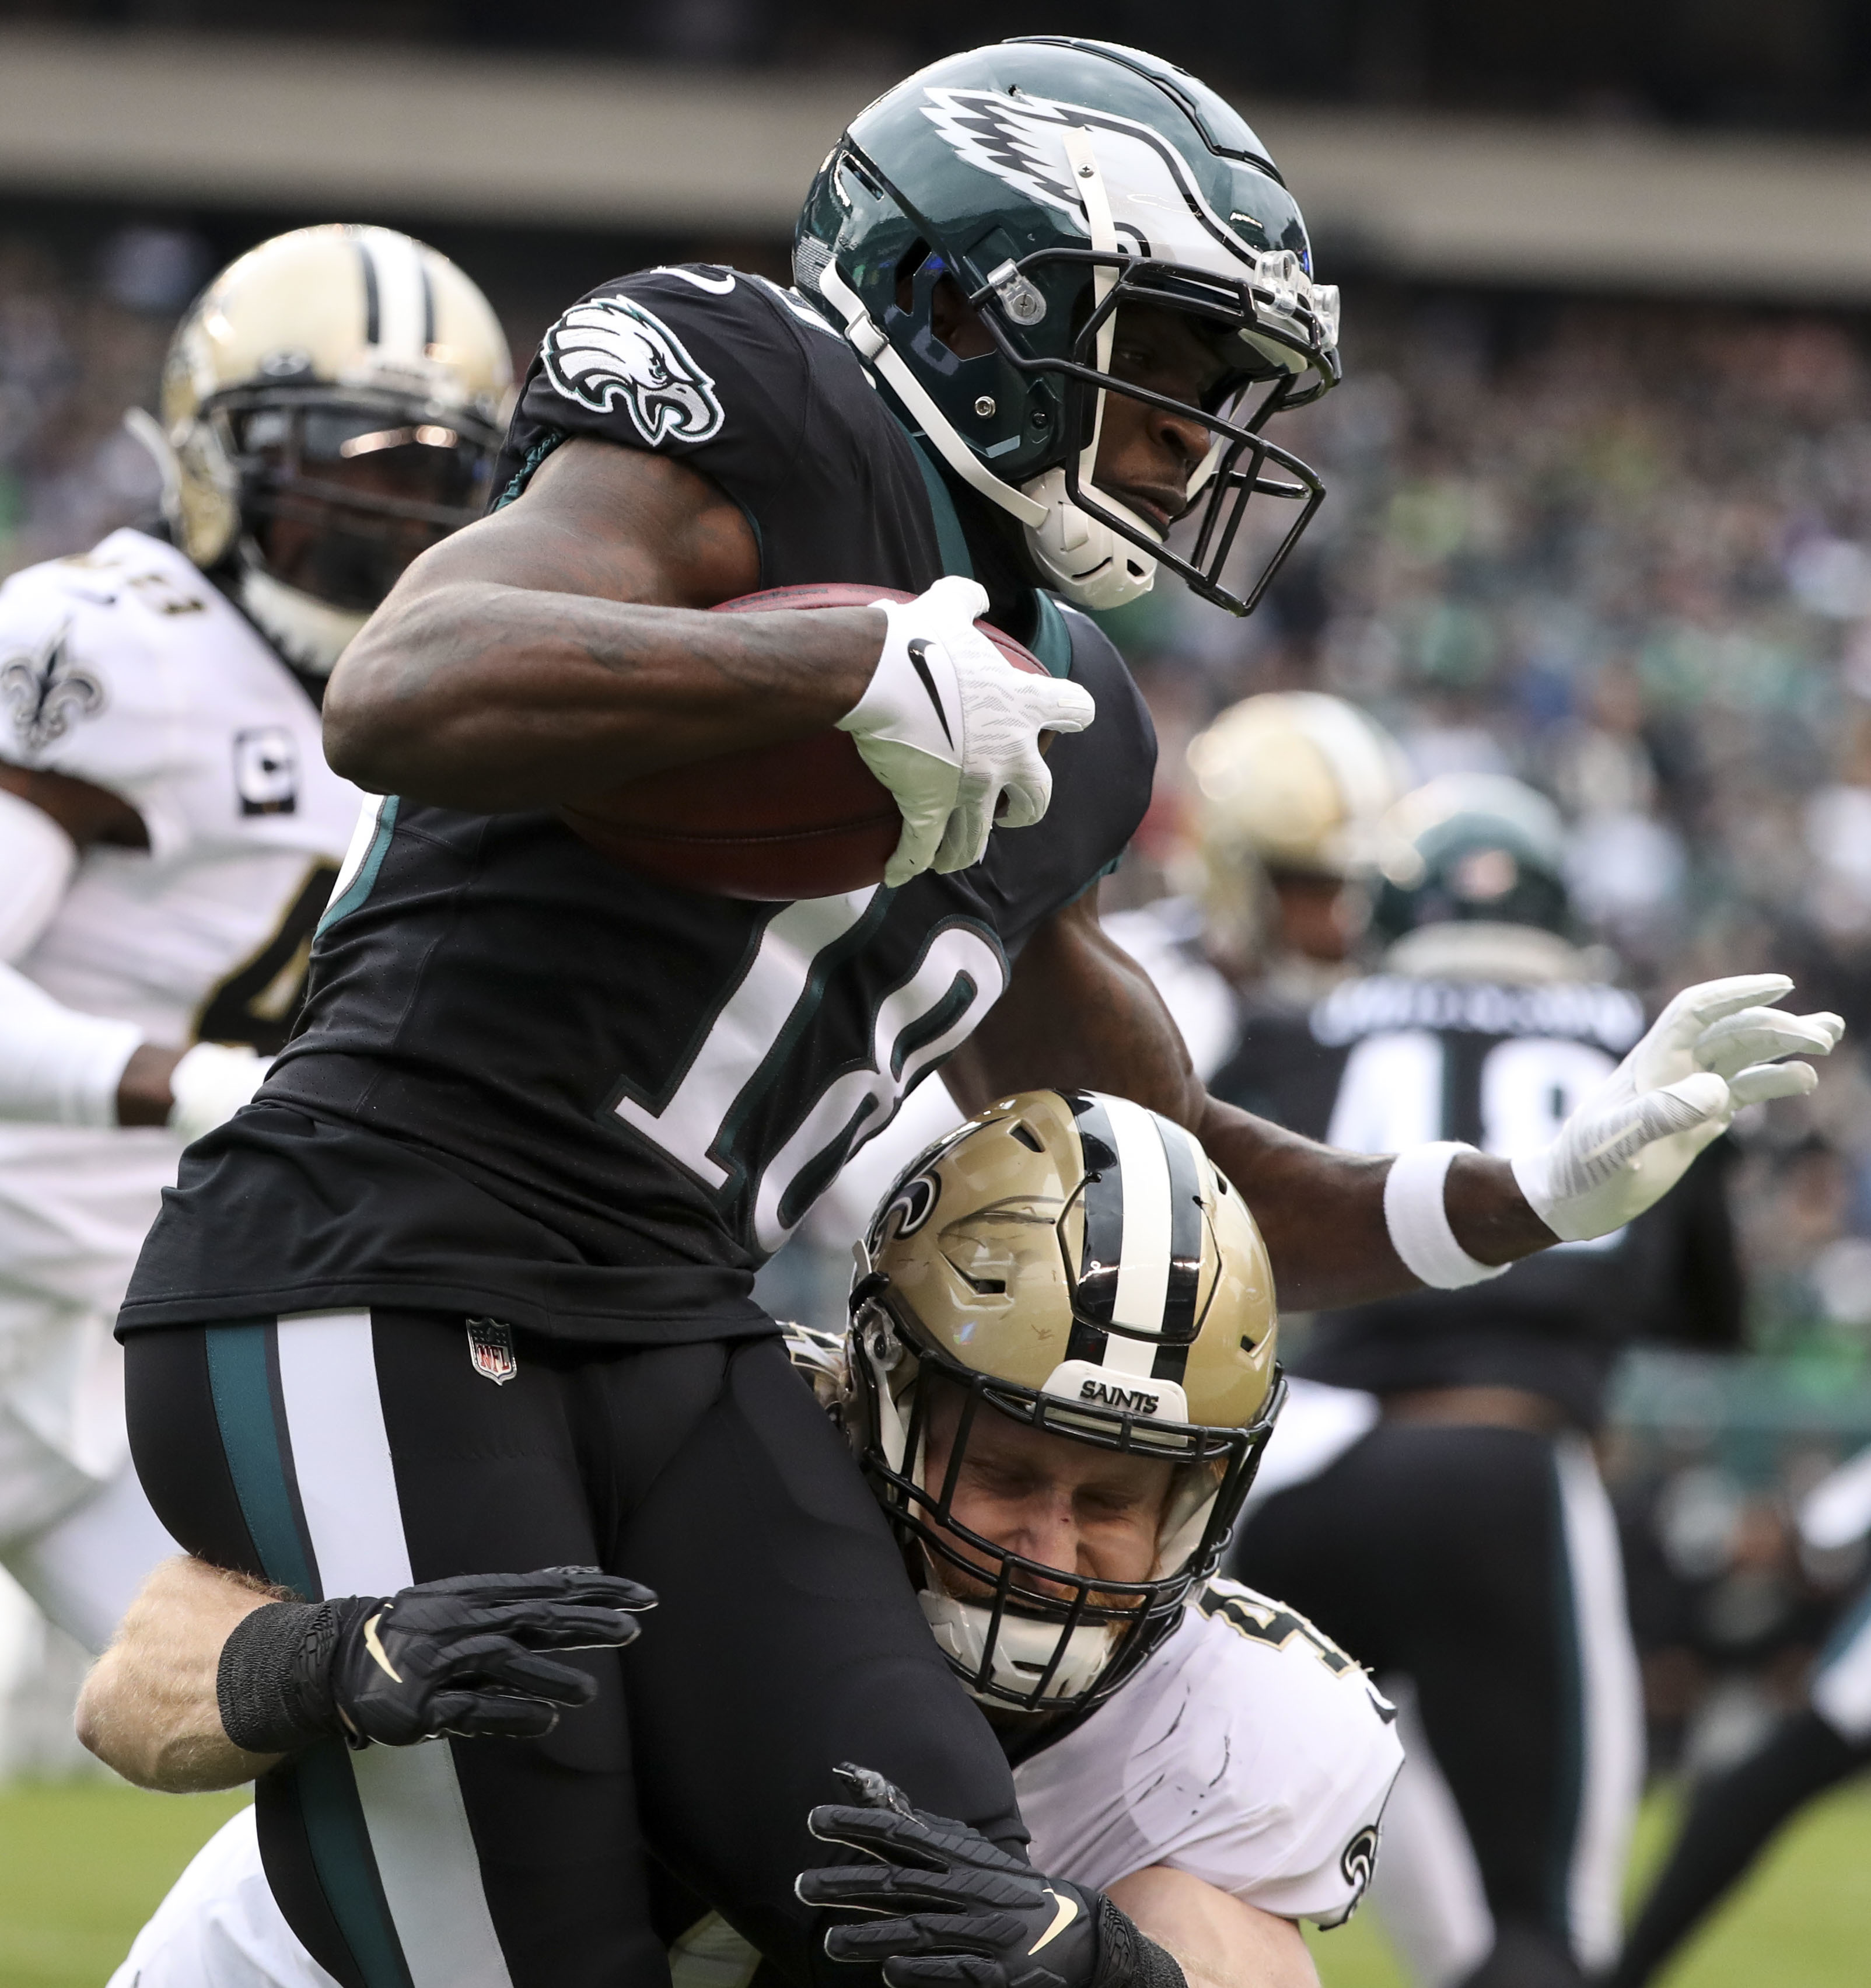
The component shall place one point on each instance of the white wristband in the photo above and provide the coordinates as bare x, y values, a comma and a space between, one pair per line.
1419, 1223
211, 1083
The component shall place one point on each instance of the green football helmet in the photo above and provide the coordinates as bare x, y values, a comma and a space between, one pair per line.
1057, 181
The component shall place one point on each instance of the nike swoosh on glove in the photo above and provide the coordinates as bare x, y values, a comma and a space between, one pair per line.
462, 1655
1718, 1046
951, 728
957, 1912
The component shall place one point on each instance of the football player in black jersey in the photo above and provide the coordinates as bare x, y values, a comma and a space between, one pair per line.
1463, 1544
466, 1288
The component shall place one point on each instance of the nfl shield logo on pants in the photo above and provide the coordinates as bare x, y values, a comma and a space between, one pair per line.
490, 1347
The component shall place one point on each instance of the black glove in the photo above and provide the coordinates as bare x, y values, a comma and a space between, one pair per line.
457, 1656
959, 1912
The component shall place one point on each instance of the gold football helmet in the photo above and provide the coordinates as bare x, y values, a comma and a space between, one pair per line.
1291, 782
1075, 1262
332, 403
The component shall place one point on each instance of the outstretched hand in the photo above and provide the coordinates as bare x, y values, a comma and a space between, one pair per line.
1716, 1047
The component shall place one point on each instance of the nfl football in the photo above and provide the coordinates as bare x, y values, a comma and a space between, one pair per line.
807, 818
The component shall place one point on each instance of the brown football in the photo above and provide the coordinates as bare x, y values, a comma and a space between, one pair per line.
807, 818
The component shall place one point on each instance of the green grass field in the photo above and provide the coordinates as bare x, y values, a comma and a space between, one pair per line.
82, 1864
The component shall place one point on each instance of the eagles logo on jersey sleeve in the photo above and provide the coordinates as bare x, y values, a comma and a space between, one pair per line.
612, 353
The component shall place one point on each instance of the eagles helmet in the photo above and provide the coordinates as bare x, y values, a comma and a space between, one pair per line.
1057, 181
1075, 1262
1292, 783
315, 349
1475, 848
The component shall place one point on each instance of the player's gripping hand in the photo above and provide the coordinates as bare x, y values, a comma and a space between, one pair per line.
956, 1912
951, 728
460, 1656
1716, 1047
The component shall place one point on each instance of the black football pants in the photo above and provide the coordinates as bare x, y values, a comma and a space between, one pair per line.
1475, 1570
351, 1452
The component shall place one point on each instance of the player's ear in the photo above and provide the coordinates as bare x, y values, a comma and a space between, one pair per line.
955, 322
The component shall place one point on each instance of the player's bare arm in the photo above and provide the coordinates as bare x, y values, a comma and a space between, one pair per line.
1217, 1940
555, 649
149, 1708
214, 1678
1078, 1011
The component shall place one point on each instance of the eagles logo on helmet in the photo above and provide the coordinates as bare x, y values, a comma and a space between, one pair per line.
1075, 1262
1058, 182
332, 404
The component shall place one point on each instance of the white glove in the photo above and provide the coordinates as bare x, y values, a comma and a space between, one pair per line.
949, 726
1715, 1048
211, 1083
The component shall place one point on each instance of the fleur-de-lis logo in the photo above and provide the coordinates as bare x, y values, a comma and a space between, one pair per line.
49, 692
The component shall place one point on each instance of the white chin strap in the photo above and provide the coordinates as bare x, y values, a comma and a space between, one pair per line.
1077, 555
1022, 1650
306, 632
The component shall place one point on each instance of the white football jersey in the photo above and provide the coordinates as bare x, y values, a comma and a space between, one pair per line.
1249, 1751
126, 668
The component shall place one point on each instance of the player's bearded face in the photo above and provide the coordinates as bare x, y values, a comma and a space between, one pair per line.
1087, 1512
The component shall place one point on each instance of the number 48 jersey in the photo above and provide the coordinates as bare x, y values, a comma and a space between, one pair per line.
1396, 1059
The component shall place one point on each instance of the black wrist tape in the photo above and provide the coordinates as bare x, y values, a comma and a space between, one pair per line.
1129, 1959
274, 1682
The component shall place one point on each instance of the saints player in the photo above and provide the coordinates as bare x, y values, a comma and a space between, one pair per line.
466, 1288
1196, 1751
169, 828
1460, 1540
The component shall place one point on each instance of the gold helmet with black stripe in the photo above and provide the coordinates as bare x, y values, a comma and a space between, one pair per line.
1076, 1263
332, 403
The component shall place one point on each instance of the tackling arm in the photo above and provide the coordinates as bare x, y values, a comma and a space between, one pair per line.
150, 1708
1217, 1940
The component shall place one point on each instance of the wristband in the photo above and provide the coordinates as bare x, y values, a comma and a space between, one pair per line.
273, 1684
1419, 1223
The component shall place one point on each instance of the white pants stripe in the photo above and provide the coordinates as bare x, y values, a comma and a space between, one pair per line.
1842, 1687
412, 1801
1611, 1708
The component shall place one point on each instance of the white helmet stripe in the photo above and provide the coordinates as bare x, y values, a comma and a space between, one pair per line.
1143, 1270
403, 305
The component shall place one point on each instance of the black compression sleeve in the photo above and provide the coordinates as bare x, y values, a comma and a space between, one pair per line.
1128, 1958
274, 1682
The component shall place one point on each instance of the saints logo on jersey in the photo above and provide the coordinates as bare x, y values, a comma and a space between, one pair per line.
47, 692
610, 353
1360, 1856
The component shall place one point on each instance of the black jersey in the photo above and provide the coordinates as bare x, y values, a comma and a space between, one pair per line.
1392, 1061
529, 1082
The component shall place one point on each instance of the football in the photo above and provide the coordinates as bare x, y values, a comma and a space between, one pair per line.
806, 819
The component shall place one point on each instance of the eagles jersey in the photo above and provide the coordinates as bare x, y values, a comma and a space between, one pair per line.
1392, 1061
126, 668
530, 1082
1249, 1751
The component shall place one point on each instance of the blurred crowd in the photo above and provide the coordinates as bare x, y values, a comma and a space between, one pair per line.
1621, 549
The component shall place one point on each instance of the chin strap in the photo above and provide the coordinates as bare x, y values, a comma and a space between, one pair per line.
307, 632
1082, 158
876, 352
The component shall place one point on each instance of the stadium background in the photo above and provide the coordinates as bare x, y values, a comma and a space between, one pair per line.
1600, 515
